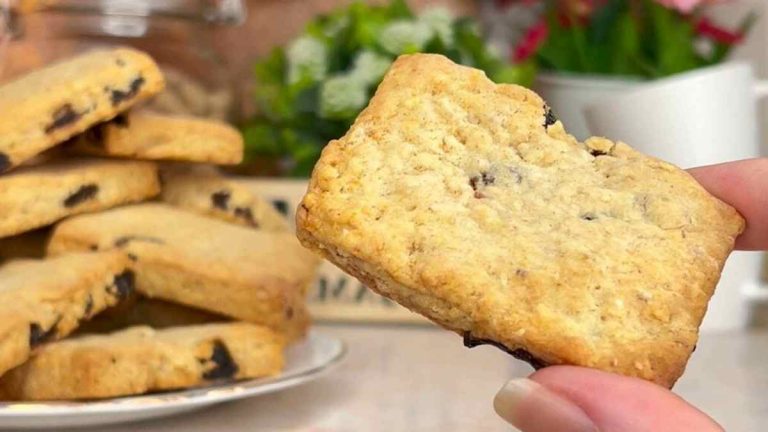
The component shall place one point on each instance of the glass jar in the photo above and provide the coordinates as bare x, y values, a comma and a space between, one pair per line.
5, 32
176, 33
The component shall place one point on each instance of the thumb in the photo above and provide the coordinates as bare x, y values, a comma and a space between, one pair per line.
574, 399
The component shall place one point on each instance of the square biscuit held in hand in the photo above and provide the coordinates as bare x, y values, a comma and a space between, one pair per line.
468, 203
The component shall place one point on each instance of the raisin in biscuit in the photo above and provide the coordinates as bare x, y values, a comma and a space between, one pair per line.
204, 191
44, 300
33, 197
146, 135
50, 105
467, 202
201, 262
140, 360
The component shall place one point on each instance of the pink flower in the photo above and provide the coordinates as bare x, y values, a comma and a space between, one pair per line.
531, 42
708, 29
685, 6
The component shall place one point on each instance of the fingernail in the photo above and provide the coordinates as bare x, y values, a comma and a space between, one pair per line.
531, 407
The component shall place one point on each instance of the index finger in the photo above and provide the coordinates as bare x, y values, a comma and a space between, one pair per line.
743, 185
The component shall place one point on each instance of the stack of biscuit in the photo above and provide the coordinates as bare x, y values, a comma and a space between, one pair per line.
129, 265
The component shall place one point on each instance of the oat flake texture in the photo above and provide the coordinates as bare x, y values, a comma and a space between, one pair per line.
466, 202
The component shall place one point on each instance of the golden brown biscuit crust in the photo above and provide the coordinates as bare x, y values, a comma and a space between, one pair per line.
467, 202
53, 104
36, 196
139, 359
152, 136
45, 300
204, 191
182, 257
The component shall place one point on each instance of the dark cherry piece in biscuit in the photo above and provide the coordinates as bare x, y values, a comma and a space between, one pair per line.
225, 366
63, 116
120, 96
84, 193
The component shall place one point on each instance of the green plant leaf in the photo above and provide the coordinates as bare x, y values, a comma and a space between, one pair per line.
399, 9
304, 148
261, 137
522, 74
298, 117
558, 51
472, 48
367, 23
674, 41
626, 47
604, 20
271, 70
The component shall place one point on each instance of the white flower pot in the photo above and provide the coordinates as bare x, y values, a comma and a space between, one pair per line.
569, 94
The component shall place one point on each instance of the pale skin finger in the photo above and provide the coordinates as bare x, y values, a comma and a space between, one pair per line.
744, 185
576, 399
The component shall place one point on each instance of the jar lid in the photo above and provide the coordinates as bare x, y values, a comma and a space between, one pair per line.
221, 12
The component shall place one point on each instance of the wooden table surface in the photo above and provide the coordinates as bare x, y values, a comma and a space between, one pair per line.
423, 379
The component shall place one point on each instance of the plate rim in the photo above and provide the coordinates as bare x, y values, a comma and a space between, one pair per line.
209, 395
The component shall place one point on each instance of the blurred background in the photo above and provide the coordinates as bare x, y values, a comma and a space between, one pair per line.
678, 79
293, 74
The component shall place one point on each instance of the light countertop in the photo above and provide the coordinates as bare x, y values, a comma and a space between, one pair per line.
423, 379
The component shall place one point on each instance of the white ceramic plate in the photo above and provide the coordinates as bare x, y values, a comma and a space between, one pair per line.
304, 362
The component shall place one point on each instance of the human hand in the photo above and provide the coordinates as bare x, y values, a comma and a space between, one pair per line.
576, 399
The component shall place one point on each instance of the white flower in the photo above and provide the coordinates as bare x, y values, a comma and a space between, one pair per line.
369, 67
342, 97
404, 36
335, 26
307, 59
440, 20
